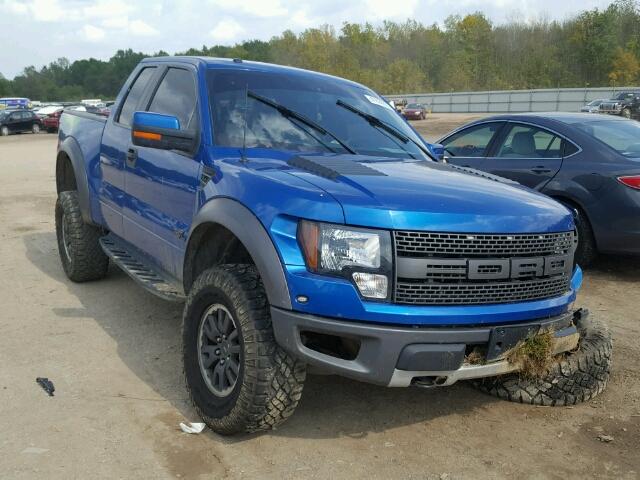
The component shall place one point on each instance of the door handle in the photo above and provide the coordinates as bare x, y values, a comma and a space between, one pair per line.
132, 156
541, 170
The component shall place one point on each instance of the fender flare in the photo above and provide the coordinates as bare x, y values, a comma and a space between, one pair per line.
240, 221
70, 147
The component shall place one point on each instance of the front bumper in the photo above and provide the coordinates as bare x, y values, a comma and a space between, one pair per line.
401, 356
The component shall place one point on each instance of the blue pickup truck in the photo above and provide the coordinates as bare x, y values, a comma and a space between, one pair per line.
307, 226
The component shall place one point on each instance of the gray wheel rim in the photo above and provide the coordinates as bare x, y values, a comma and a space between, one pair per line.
4, 131
66, 238
35, 129
219, 350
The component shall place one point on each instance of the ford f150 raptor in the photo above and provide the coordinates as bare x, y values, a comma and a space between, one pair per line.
304, 224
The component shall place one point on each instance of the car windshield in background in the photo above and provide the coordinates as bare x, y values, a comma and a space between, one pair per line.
622, 136
414, 106
312, 97
595, 103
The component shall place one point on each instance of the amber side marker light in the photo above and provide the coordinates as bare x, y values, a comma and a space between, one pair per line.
632, 181
147, 135
308, 237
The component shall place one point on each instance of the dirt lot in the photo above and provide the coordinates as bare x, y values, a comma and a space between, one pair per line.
112, 351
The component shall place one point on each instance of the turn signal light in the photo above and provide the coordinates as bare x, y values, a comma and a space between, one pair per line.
632, 181
147, 135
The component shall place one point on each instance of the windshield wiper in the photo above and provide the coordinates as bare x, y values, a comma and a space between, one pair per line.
376, 122
289, 114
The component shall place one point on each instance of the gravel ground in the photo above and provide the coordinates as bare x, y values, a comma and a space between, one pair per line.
112, 351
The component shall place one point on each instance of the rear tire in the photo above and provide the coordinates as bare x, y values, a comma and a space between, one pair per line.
578, 377
35, 128
266, 388
586, 251
78, 243
626, 113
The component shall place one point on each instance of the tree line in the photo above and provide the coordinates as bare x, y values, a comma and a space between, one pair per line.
594, 48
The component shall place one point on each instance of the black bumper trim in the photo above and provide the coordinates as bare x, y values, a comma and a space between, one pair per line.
380, 345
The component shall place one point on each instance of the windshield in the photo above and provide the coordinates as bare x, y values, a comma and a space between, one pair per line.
595, 103
622, 96
315, 98
414, 106
622, 136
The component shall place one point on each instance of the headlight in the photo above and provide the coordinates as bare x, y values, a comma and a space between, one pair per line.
360, 254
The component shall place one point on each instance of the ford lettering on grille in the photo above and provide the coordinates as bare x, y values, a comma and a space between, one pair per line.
443, 269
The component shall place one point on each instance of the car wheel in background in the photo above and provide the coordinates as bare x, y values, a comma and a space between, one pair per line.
239, 379
626, 113
586, 252
35, 128
4, 131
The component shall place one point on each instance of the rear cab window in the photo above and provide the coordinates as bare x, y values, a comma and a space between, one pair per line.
134, 95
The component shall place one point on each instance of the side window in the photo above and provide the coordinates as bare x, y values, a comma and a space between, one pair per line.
133, 97
526, 141
471, 142
176, 96
568, 149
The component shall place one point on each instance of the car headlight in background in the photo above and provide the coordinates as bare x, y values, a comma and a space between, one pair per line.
360, 254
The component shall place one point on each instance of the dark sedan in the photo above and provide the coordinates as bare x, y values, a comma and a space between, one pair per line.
591, 163
14, 121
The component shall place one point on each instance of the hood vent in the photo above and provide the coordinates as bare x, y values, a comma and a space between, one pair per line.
333, 167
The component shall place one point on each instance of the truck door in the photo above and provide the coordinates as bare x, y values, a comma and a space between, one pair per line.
116, 140
161, 185
526, 153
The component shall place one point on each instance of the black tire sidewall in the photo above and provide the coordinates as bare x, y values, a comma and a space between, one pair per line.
211, 405
586, 250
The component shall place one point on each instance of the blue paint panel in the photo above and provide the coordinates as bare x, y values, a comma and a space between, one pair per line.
155, 120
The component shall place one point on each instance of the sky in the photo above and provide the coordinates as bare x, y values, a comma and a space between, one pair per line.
36, 32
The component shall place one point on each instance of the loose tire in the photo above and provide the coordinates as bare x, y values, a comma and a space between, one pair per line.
578, 377
35, 128
268, 383
4, 131
80, 252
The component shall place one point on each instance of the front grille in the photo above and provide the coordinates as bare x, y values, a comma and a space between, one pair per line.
426, 244
417, 293
435, 268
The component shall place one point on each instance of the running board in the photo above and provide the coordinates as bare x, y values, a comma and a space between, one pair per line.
134, 264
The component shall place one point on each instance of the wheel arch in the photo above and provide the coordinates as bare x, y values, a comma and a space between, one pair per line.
572, 203
71, 175
225, 231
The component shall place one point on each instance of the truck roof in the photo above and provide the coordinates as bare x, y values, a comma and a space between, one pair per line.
240, 64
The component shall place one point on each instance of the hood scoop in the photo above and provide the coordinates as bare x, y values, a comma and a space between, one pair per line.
333, 167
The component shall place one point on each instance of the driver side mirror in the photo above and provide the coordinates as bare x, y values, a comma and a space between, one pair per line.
438, 151
155, 130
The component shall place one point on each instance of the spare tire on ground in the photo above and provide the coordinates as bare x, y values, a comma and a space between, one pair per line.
575, 377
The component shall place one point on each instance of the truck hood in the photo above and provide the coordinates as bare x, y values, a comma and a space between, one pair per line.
425, 195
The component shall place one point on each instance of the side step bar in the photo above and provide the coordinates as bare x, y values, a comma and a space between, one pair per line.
141, 270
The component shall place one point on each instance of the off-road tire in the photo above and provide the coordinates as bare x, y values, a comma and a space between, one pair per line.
83, 259
587, 251
577, 377
626, 113
270, 381
4, 131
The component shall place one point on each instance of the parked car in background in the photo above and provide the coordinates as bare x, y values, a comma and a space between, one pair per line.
47, 110
625, 104
593, 106
52, 122
414, 111
590, 163
15, 121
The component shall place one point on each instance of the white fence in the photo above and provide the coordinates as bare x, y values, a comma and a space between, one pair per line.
542, 100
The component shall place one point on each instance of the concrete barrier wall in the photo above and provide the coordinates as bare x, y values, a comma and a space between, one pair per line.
500, 101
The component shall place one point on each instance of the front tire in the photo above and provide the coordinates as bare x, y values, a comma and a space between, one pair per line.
4, 131
78, 243
626, 113
35, 128
238, 377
